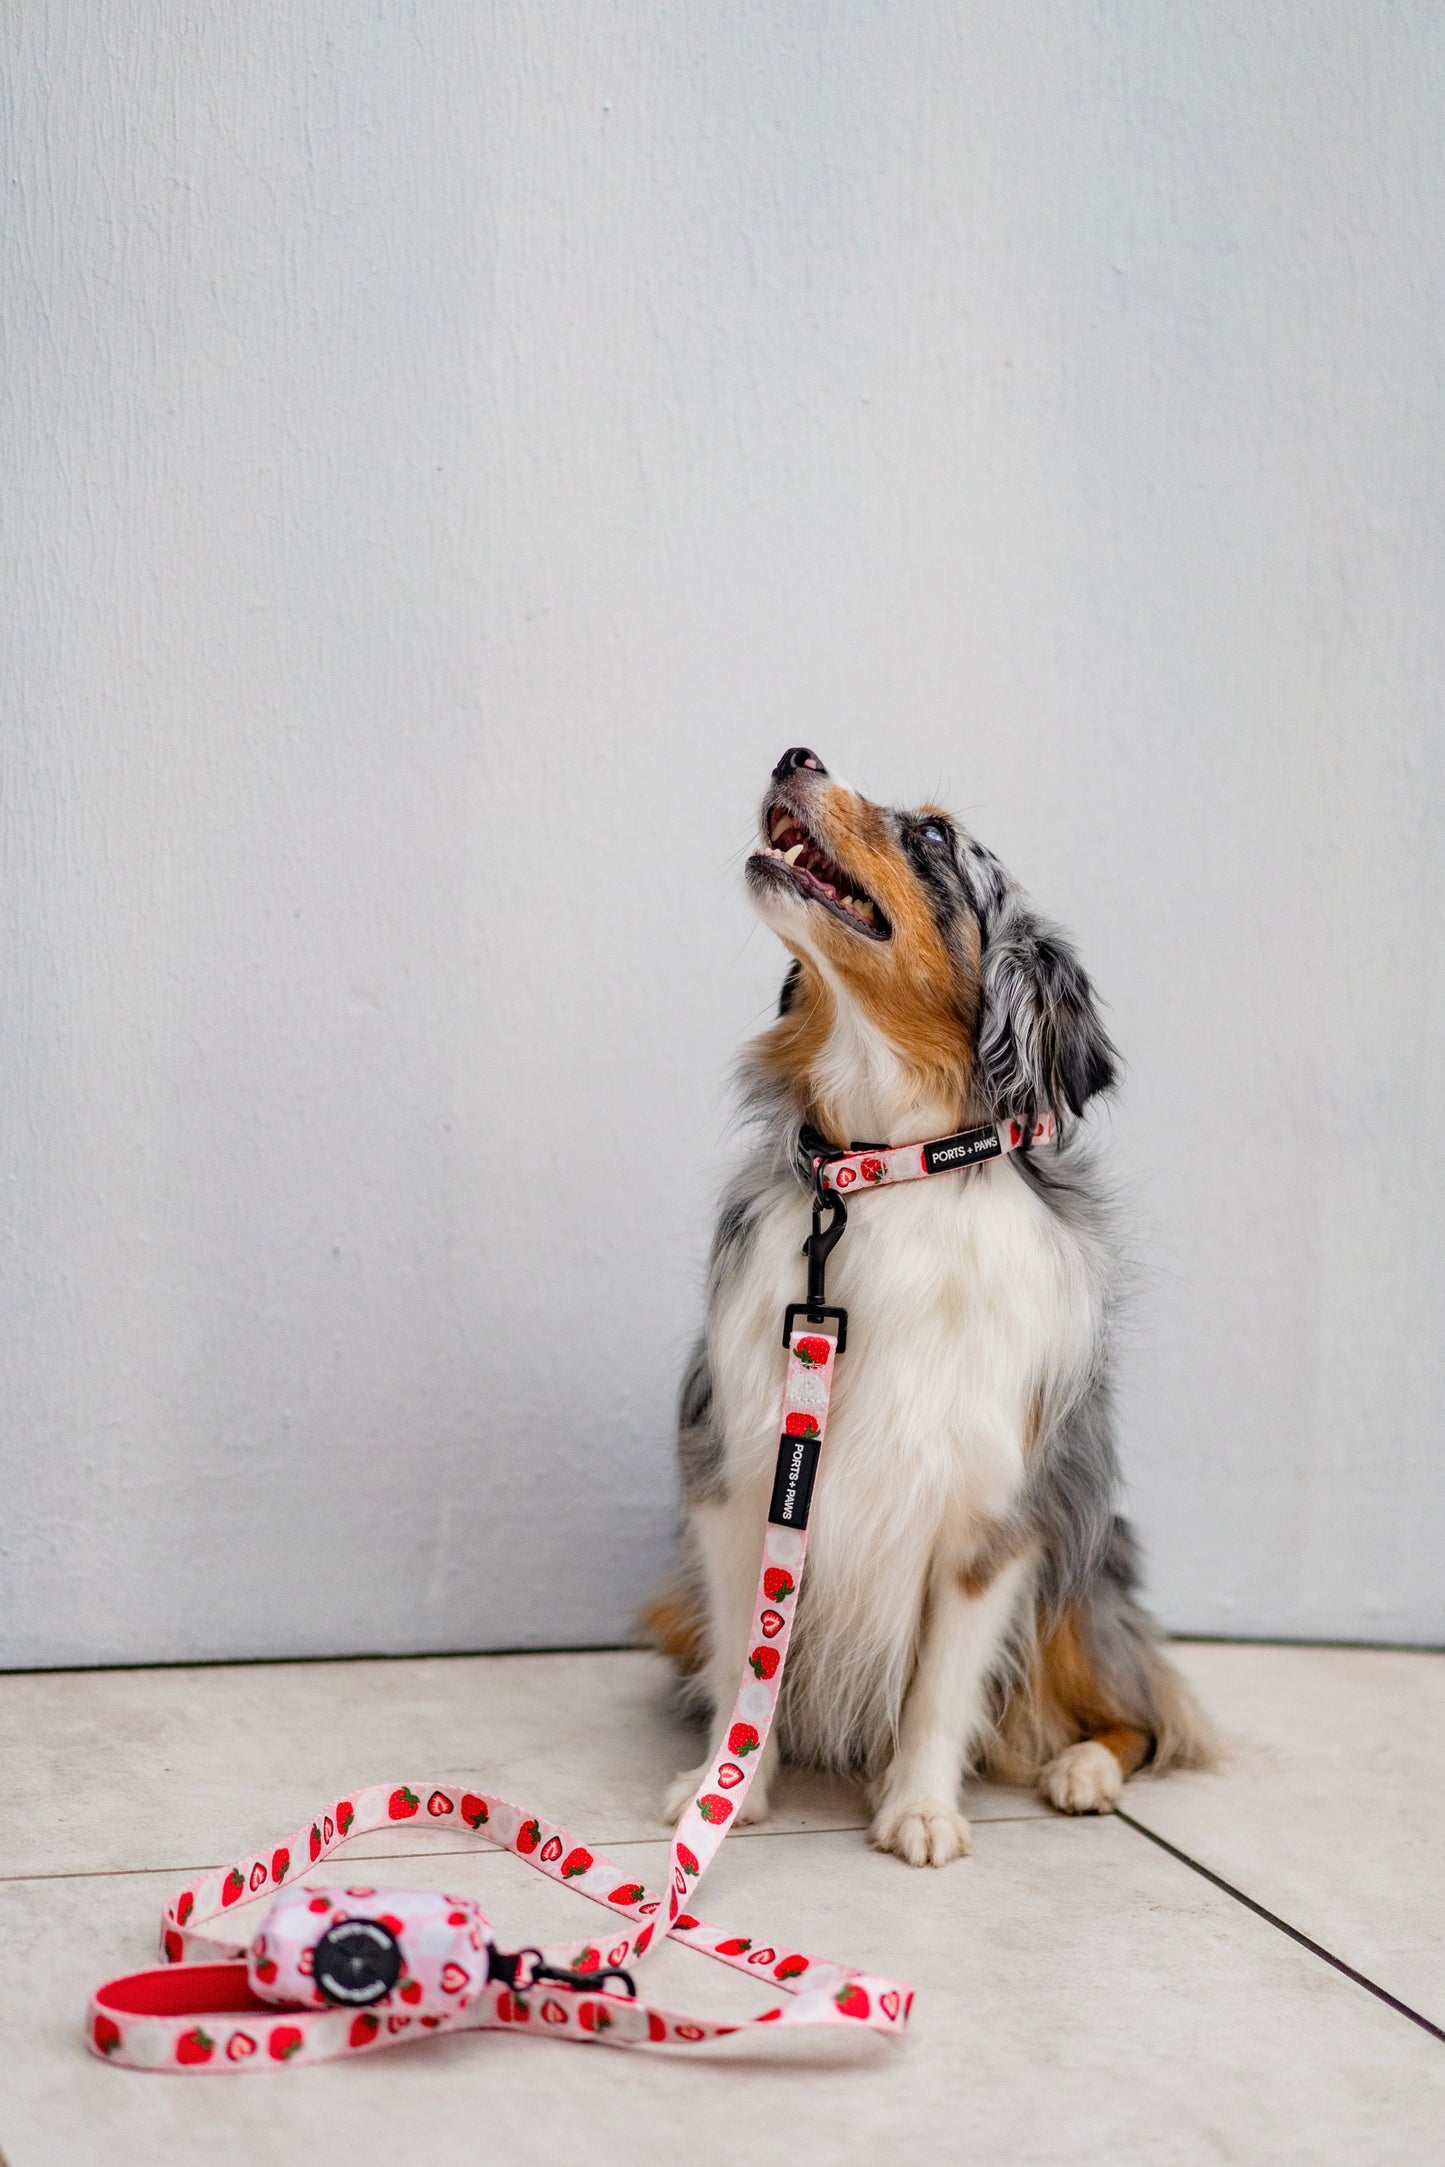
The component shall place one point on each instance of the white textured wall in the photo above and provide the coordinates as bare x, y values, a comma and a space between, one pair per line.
448, 451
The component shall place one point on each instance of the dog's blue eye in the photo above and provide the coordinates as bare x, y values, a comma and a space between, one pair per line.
932, 832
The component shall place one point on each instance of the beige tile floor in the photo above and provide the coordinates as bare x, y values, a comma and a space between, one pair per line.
1085, 1996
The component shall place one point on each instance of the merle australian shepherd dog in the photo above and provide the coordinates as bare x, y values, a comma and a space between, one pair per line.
969, 1596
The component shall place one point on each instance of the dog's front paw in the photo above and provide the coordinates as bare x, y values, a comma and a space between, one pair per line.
1085, 1778
924, 1832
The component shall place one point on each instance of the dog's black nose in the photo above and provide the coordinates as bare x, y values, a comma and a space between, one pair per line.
797, 756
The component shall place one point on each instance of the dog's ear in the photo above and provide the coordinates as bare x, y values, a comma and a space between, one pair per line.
1041, 1043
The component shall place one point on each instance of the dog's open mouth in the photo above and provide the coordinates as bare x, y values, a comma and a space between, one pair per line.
797, 857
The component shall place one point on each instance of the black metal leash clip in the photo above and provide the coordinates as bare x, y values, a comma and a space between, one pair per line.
505, 1968
820, 1244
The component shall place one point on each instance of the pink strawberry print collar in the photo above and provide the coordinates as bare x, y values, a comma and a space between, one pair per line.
884, 1165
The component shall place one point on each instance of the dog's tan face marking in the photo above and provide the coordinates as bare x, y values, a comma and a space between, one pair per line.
836, 879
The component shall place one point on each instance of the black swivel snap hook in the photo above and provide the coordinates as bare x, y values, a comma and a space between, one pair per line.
817, 1248
506, 1968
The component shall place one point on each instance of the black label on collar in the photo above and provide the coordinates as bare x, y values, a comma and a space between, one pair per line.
793, 1482
964, 1150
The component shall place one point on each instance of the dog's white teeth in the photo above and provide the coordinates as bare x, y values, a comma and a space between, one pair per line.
780, 826
791, 857
865, 908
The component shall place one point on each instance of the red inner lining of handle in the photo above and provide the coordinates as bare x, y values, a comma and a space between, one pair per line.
183, 1990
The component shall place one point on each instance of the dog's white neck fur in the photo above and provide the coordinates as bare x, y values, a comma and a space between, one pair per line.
862, 1078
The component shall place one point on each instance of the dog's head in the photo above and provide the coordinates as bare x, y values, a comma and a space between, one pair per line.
906, 918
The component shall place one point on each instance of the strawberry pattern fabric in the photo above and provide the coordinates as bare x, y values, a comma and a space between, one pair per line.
272, 2012
911, 1162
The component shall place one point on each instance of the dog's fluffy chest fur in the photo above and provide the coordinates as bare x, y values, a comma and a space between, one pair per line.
970, 1306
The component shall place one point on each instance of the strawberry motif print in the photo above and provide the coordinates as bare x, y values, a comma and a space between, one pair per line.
941, 1155
443, 1941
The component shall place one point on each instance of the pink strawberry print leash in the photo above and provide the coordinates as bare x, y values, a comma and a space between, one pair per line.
426, 1961
210, 2009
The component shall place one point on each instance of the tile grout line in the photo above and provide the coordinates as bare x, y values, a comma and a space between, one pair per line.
380, 1858
1272, 1918
492, 1851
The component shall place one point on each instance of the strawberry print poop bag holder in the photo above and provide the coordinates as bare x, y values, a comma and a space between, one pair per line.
343, 1968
